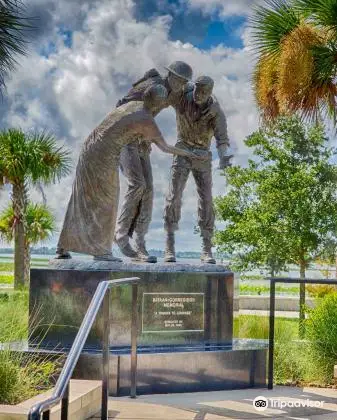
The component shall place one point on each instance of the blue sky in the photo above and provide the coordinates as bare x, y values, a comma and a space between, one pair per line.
85, 55
194, 26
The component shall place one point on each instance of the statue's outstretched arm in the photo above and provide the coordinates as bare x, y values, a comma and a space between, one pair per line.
151, 132
166, 148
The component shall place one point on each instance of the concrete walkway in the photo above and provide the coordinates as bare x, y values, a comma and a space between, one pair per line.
278, 314
225, 405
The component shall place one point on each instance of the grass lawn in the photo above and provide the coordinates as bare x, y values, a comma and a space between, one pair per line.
7, 269
254, 326
6, 279
251, 289
6, 266
22, 375
13, 315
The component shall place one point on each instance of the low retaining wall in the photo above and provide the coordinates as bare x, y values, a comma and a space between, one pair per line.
261, 303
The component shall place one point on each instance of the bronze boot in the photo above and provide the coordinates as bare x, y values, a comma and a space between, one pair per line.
207, 256
142, 254
170, 255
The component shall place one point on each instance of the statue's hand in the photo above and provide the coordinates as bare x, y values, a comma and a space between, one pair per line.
225, 162
200, 157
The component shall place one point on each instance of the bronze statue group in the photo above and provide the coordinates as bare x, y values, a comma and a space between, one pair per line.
123, 140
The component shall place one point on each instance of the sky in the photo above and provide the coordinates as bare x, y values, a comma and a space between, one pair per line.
84, 55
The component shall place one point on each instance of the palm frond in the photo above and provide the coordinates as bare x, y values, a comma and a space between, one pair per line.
13, 155
270, 23
7, 220
40, 223
264, 83
323, 12
49, 162
306, 77
32, 157
297, 66
14, 27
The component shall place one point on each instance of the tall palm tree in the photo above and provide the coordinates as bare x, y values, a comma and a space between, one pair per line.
40, 225
296, 46
14, 27
28, 159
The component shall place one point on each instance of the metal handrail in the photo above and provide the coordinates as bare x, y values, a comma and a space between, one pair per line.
61, 390
273, 281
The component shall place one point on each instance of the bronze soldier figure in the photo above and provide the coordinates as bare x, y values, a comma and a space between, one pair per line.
199, 118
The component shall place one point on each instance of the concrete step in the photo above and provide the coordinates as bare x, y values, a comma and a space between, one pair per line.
85, 400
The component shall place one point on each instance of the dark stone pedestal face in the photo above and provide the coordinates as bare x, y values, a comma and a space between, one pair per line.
185, 328
174, 307
159, 373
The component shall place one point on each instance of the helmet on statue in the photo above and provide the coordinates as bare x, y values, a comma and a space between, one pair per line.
180, 69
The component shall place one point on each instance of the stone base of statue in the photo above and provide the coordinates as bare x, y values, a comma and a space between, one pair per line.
185, 325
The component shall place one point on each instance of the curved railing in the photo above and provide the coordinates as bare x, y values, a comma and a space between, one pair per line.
61, 390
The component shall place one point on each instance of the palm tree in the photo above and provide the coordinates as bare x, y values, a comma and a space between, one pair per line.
40, 225
28, 159
296, 46
14, 29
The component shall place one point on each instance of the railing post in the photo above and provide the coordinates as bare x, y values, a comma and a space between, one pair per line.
302, 311
106, 355
271, 335
134, 333
46, 415
65, 404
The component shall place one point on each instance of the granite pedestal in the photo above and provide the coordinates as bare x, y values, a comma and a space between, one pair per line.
185, 325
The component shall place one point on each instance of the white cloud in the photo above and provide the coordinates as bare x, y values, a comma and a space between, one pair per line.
73, 89
223, 7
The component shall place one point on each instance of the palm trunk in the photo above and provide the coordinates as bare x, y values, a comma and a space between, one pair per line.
27, 262
19, 199
302, 300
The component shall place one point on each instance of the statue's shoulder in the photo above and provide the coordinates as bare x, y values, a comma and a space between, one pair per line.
152, 73
214, 107
188, 92
152, 76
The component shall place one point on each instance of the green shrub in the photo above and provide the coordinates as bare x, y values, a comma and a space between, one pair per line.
13, 316
290, 361
22, 375
253, 326
252, 289
7, 266
320, 290
290, 356
321, 331
6, 279
251, 277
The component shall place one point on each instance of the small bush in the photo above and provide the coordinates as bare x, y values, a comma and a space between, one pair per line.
291, 361
253, 326
7, 266
320, 290
22, 375
6, 279
251, 277
321, 330
13, 316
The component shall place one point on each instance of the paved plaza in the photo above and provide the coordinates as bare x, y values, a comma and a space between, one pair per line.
225, 405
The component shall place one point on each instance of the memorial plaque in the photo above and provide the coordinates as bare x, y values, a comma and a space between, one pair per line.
172, 312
